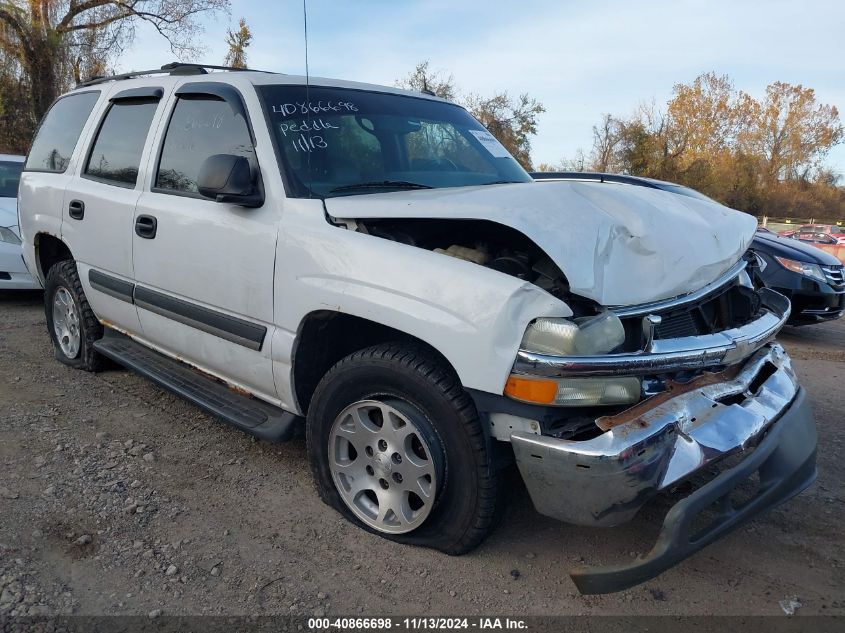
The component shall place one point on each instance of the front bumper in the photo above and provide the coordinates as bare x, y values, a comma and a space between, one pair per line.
785, 461
760, 415
809, 308
652, 447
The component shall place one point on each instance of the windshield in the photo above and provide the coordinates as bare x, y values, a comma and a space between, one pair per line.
10, 178
340, 142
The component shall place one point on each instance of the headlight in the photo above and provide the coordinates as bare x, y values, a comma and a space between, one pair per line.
7, 235
813, 271
582, 337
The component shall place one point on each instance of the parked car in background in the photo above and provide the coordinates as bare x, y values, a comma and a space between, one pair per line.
812, 279
814, 237
813, 232
13, 272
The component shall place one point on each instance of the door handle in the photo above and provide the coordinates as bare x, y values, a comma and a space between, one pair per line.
146, 226
76, 209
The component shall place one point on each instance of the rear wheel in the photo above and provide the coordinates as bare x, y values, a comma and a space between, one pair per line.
396, 446
72, 325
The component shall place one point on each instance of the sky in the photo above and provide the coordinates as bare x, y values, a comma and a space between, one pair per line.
578, 58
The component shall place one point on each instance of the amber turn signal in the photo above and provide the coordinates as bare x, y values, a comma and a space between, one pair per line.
531, 390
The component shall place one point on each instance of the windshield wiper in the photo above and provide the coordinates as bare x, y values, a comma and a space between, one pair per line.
381, 184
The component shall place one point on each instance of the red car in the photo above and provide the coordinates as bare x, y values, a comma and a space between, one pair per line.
811, 233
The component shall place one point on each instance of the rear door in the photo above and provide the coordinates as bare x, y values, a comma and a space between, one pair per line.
100, 205
205, 274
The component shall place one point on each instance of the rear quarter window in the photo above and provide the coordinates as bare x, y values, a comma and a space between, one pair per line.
116, 154
59, 132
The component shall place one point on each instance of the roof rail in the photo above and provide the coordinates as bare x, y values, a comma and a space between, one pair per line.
173, 68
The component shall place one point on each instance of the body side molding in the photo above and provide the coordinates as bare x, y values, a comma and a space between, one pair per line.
225, 326
113, 286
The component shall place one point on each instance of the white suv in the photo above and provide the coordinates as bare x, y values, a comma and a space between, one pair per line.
372, 266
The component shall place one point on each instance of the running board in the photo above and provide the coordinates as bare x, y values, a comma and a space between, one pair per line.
250, 415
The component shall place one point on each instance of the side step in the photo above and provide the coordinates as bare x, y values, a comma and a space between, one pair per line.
251, 415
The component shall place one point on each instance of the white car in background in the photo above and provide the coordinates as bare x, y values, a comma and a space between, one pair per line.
13, 272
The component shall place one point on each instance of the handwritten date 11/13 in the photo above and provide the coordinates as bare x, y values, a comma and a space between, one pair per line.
308, 143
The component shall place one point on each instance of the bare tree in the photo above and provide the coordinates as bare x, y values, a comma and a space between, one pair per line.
605, 140
424, 79
51, 40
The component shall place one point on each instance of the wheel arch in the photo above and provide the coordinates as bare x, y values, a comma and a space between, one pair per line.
49, 250
325, 337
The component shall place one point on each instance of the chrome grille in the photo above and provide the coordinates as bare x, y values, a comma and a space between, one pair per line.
835, 275
683, 324
726, 308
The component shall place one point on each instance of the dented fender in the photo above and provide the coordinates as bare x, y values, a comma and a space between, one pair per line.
474, 316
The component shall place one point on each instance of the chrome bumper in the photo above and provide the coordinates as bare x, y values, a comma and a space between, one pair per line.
615, 473
671, 355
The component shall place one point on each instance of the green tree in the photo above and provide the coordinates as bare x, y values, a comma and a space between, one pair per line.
238, 41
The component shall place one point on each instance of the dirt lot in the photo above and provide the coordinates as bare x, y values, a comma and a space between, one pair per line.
118, 498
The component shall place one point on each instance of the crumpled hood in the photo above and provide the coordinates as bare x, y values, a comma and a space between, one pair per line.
616, 244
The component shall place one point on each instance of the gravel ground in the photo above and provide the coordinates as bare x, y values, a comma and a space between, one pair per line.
118, 498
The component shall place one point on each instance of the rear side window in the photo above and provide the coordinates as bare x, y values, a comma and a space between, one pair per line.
59, 132
116, 154
199, 128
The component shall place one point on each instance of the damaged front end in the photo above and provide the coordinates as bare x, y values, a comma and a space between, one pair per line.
711, 384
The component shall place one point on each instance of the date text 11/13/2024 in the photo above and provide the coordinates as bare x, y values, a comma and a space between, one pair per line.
416, 624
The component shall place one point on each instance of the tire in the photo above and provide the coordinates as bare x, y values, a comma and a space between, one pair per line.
413, 383
63, 280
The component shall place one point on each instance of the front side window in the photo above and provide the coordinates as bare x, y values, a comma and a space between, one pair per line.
10, 178
199, 128
116, 154
335, 141
59, 132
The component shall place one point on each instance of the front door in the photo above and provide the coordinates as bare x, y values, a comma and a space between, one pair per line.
204, 270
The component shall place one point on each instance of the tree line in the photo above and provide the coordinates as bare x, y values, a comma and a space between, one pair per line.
765, 156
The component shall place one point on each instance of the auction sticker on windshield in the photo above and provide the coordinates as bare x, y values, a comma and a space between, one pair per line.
490, 143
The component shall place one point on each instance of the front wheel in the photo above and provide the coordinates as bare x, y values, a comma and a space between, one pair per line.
72, 325
396, 446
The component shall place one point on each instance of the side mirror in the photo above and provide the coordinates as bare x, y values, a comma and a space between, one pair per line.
228, 178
